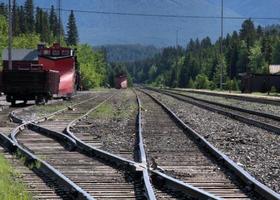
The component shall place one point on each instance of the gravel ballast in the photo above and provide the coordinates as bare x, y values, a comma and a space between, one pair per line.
254, 149
260, 107
113, 125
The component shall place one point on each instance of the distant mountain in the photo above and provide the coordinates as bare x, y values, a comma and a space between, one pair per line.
99, 29
253, 8
128, 53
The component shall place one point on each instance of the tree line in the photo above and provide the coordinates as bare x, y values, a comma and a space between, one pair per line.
200, 63
30, 20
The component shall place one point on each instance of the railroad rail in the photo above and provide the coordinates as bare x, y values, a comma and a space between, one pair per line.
61, 151
49, 183
101, 164
265, 121
261, 99
40, 185
201, 164
172, 189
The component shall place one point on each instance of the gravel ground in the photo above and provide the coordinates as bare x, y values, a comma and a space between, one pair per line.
254, 149
260, 107
36, 112
114, 125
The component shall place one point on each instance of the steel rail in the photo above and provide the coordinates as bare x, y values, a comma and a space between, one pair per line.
261, 114
247, 179
142, 155
134, 166
234, 96
16, 119
181, 186
78, 193
263, 125
66, 184
90, 150
171, 182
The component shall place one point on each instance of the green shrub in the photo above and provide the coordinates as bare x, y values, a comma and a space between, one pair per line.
202, 82
191, 84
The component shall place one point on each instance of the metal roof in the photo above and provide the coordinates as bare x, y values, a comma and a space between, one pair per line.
21, 54
274, 69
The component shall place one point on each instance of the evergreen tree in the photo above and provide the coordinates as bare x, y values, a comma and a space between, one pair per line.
29, 15
42, 25
53, 22
3, 9
72, 31
38, 20
16, 30
248, 33
257, 62
22, 20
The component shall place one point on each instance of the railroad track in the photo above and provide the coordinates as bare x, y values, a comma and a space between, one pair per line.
181, 153
234, 96
39, 185
38, 182
136, 155
90, 172
90, 176
262, 120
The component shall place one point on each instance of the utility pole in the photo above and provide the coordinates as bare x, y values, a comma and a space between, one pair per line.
10, 35
221, 43
177, 33
59, 20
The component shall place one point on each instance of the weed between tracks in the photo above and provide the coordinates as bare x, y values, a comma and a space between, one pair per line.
53, 108
10, 186
109, 111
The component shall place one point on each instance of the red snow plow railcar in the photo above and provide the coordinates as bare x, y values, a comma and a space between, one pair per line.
40, 74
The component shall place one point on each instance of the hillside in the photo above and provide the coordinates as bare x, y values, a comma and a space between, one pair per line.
98, 29
128, 53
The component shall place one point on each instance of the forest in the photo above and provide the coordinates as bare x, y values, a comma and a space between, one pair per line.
128, 52
199, 65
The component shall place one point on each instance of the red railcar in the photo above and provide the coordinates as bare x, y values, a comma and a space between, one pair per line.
64, 61
52, 73
121, 82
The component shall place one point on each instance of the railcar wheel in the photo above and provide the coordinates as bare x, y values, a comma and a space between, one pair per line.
13, 102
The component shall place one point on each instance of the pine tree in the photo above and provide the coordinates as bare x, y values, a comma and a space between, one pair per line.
3, 9
53, 22
42, 25
38, 20
29, 15
22, 21
72, 31
46, 33
16, 30
248, 33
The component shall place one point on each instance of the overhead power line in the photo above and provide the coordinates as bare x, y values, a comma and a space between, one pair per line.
168, 16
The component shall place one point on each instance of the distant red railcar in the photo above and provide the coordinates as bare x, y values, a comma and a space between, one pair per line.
40, 74
121, 82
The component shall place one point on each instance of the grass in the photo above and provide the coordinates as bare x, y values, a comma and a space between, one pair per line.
109, 111
105, 111
10, 186
50, 108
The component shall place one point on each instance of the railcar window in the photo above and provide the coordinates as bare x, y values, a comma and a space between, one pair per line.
65, 52
46, 52
56, 52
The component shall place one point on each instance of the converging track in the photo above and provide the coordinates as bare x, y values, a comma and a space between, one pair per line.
266, 121
98, 179
175, 149
181, 157
76, 165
